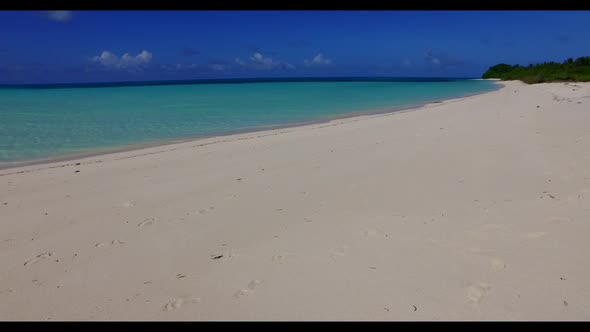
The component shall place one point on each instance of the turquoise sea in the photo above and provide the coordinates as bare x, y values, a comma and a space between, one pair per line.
47, 121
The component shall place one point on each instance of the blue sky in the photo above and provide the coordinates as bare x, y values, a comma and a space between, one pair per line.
98, 46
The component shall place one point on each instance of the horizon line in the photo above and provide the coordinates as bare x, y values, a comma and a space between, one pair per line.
225, 80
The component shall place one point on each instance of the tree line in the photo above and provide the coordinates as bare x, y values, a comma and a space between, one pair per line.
569, 71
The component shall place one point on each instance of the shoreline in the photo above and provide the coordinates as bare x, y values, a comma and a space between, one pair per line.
194, 139
452, 212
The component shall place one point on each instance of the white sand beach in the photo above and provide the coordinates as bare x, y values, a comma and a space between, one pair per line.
470, 209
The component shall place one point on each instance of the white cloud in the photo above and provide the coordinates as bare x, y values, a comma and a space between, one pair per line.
171, 67
318, 60
185, 66
126, 61
59, 15
441, 59
259, 61
217, 66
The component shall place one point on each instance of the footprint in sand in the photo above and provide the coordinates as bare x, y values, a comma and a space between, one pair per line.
147, 222
205, 211
535, 235
249, 290
432, 241
584, 192
281, 258
129, 204
38, 258
476, 293
497, 264
338, 252
561, 219
105, 244
476, 234
371, 232
278, 258
177, 303
483, 251
495, 227
173, 305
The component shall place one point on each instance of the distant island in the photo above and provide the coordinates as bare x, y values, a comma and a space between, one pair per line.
569, 71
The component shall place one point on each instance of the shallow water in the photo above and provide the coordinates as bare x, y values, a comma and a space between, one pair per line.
53, 121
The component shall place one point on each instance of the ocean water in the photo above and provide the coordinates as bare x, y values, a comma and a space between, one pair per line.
38, 122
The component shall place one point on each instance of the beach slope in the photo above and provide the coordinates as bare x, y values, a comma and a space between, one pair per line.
470, 209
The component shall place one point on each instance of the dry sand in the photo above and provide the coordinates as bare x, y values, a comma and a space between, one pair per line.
471, 209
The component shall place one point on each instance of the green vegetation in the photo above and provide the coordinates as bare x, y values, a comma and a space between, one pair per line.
569, 71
